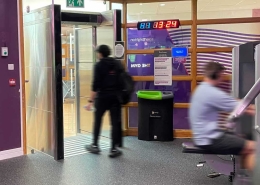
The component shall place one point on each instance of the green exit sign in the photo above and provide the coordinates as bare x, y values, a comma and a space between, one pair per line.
75, 3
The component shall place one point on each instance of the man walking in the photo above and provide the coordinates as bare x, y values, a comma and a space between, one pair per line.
104, 95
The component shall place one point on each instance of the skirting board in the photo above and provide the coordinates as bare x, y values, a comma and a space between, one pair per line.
7, 154
178, 133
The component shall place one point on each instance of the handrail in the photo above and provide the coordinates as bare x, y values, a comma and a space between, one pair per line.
241, 107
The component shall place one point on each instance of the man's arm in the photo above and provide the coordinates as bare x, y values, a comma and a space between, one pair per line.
96, 84
227, 103
92, 96
224, 102
121, 67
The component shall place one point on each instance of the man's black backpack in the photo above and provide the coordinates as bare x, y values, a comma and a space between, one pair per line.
127, 87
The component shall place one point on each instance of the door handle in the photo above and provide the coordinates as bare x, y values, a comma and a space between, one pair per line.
26, 81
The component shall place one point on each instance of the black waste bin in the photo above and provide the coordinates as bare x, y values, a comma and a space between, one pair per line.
155, 115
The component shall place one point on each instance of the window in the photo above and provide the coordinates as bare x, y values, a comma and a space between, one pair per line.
219, 9
159, 11
227, 35
221, 57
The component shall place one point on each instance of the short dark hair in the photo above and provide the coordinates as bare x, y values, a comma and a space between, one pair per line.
104, 50
212, 69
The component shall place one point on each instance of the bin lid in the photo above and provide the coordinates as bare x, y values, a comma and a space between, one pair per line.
167, 94
151, 95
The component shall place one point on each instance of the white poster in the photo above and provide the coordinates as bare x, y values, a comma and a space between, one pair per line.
162, 68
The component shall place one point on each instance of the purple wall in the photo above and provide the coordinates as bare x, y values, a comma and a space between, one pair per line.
10, 123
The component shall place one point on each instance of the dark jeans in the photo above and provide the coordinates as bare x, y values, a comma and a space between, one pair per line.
110, 103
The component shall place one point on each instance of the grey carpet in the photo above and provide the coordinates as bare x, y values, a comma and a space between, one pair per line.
143, 163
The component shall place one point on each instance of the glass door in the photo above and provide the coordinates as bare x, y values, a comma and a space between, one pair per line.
85, 60
68, 80
105, 35
79, 57
87, 39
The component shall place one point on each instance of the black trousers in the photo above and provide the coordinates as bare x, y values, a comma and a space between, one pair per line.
111, 104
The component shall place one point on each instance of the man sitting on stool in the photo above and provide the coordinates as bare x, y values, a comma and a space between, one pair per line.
206, 103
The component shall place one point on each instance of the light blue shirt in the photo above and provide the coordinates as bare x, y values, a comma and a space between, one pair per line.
206, 103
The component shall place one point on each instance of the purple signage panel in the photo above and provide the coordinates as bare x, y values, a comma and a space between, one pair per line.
143, 64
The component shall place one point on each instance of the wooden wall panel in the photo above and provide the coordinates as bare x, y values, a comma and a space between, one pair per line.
175, 105
151, 78
147, 51
228, 21
194, 45
214, 49
126, 117
225, 77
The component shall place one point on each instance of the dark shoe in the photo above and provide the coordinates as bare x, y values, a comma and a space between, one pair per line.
93, 149
115, 153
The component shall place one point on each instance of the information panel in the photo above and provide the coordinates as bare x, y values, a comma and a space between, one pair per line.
119, 49
163, 67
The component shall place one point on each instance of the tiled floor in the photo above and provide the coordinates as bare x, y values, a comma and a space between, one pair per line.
85, 119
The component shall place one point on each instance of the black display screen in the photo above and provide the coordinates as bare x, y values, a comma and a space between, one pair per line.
155, 25
76, 17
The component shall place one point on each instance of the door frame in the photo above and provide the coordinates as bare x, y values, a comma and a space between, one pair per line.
22, 76
57, 143
59, 140
106, 18
76, 59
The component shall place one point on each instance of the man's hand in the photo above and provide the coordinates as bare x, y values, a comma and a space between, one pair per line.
89, 107
250, 110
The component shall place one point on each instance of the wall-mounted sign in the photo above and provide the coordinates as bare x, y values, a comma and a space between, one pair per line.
75, 3
180, 52
119, 50
163, 67
179, 60
12, 82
